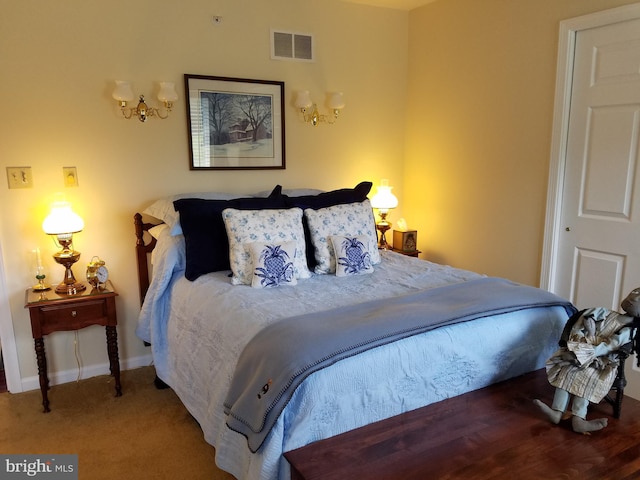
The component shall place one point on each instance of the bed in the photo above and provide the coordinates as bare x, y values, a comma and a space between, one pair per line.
203, 318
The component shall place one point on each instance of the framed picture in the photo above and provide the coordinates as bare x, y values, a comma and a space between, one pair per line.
235, 123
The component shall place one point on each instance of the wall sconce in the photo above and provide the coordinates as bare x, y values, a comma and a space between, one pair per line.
123, 94
384, 201
304, 103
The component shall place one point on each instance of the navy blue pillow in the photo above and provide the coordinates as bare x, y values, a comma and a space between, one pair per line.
329, 199
322, 200
206, 241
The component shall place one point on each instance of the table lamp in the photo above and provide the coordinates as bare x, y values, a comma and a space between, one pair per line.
63, 223
384, 201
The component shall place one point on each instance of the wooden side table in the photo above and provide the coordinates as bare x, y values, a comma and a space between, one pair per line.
51, 312
414, 253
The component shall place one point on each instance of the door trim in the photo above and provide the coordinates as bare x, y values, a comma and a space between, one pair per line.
564, 79
7, 337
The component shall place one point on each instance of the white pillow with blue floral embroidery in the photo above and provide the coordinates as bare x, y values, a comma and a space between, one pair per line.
269, 226
273, 264
352, 255
348, 220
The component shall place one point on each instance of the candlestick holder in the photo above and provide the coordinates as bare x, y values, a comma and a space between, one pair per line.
41, 286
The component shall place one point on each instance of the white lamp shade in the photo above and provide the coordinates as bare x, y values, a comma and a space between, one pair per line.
62, 220
384, 199
303, 99
123, 92
336, 101
167, 92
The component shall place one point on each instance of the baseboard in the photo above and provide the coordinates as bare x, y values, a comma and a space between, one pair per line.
67, 376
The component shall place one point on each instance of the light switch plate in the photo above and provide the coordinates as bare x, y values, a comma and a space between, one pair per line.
19, 177
70, 176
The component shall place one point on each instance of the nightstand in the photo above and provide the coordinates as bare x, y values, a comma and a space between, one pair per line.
51, 312
414, 253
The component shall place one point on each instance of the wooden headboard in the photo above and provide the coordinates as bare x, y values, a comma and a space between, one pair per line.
142, 253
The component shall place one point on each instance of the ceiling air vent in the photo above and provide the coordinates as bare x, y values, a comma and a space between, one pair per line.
291, 46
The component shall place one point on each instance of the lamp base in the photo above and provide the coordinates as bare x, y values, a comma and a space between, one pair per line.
383, 227
69, 286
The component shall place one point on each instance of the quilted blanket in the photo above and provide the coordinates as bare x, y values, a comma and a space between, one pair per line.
283, 354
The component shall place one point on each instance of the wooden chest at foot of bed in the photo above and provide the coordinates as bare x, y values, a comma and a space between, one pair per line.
494, 432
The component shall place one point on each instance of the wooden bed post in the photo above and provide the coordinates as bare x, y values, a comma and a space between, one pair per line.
142, 250
142, 259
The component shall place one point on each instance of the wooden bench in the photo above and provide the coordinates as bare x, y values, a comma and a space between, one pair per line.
495, 432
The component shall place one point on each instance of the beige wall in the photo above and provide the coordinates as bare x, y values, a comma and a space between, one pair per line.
479, 121
58, 61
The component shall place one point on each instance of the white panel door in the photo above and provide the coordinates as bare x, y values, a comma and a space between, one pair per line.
598, 251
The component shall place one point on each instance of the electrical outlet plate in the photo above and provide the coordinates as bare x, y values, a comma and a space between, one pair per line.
19, 177
70, 175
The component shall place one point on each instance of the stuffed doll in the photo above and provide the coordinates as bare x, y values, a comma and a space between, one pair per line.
585, 366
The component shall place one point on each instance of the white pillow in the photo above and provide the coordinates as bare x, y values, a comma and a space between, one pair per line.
346, 220
272, 264
163, 209
271, 225
158, 230
352, 255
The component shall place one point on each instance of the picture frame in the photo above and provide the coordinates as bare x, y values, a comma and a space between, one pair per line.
235, 123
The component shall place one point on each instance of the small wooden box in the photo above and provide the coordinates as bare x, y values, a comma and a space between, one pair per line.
405, 241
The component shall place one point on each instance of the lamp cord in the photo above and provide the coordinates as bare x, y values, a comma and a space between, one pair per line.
76, 351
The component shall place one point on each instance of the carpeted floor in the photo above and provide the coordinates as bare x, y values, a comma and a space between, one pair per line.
145, 434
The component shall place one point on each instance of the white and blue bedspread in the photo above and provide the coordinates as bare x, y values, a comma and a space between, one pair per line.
199, 329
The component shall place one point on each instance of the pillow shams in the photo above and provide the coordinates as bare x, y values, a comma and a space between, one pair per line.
272, 264
163, 208
322, 200
292, 192
158, 230
352, 255
328, 199
206, 243
277, 226
347, 220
